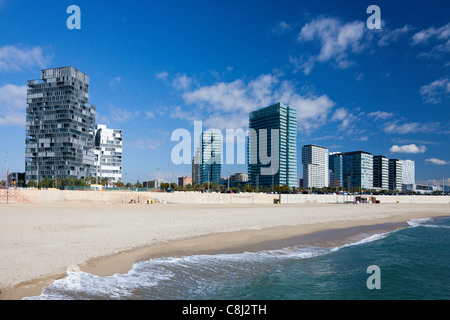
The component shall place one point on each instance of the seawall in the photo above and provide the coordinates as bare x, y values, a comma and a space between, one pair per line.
62, 196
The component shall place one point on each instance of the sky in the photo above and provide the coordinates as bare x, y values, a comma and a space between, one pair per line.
158, 66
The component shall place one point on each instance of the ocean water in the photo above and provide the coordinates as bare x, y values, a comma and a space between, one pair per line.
413, 264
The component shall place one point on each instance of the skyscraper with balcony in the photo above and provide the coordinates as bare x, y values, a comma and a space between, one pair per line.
315, 166
381, 172
210, 157
108, 153
357, 170
273, 126
59, 126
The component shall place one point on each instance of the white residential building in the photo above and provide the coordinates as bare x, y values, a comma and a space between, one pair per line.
108, 153
408, 172
315, 166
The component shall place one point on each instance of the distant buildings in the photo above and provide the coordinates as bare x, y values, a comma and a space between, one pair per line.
195, 167
210, 157
184, 181
59, 126
408, 172
315, 166
274, 122
357, 170
108, 153
395, 175
336, 169
381, 172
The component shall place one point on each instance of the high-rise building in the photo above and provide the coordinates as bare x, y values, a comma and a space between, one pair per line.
59, 126
210, 156
408, 172
357, 170
381, 172
335, 166
395, 175
315, 166
280, 122
195, 167
108, 153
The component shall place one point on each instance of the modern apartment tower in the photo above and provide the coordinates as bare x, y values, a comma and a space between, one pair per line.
108, 153
210, 156
357, 170
272, 138
335, 167
408, 172
395, 175
315, 166
59, 126
381, 172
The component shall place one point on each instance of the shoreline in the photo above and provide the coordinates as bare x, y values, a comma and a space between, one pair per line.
324, 233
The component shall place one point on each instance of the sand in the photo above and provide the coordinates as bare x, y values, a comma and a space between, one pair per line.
40, 242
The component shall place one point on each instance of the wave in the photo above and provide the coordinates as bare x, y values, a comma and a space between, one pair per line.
427, 223
163, 276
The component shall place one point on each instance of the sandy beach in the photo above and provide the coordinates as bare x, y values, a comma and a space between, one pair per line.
40, 242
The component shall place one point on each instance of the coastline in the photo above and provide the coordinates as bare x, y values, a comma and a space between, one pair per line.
258, 229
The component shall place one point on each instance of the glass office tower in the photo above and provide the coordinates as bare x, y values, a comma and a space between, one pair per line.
357, 170
279, 121
210, 156
59, 126
335, 166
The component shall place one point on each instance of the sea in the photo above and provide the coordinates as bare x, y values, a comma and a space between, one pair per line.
409, 263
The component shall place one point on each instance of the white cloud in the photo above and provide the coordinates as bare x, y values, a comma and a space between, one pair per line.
439, 37
122, 115
147, 144
150, 115
13, 104
410, 127
346, 118
433, 92
442, 33
437, 161
233, 101
380, 115
393, 35
162, 75
181, 82
15, 58
115, 81
281, 28
411, 148
336, 40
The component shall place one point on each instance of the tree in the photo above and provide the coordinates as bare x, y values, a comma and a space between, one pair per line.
31, 184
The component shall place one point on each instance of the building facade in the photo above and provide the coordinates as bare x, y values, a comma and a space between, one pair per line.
210, 157
184, 181
357, 170
59, 126
408, 172
274, 126
315, 166
195, 167
395, 175
108, 153
381, 172
335, 166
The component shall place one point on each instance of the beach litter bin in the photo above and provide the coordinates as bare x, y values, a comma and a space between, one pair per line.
276, 201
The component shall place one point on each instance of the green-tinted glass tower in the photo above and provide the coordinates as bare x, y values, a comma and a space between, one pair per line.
273, 135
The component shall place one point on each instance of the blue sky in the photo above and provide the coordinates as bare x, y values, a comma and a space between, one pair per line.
156, 66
